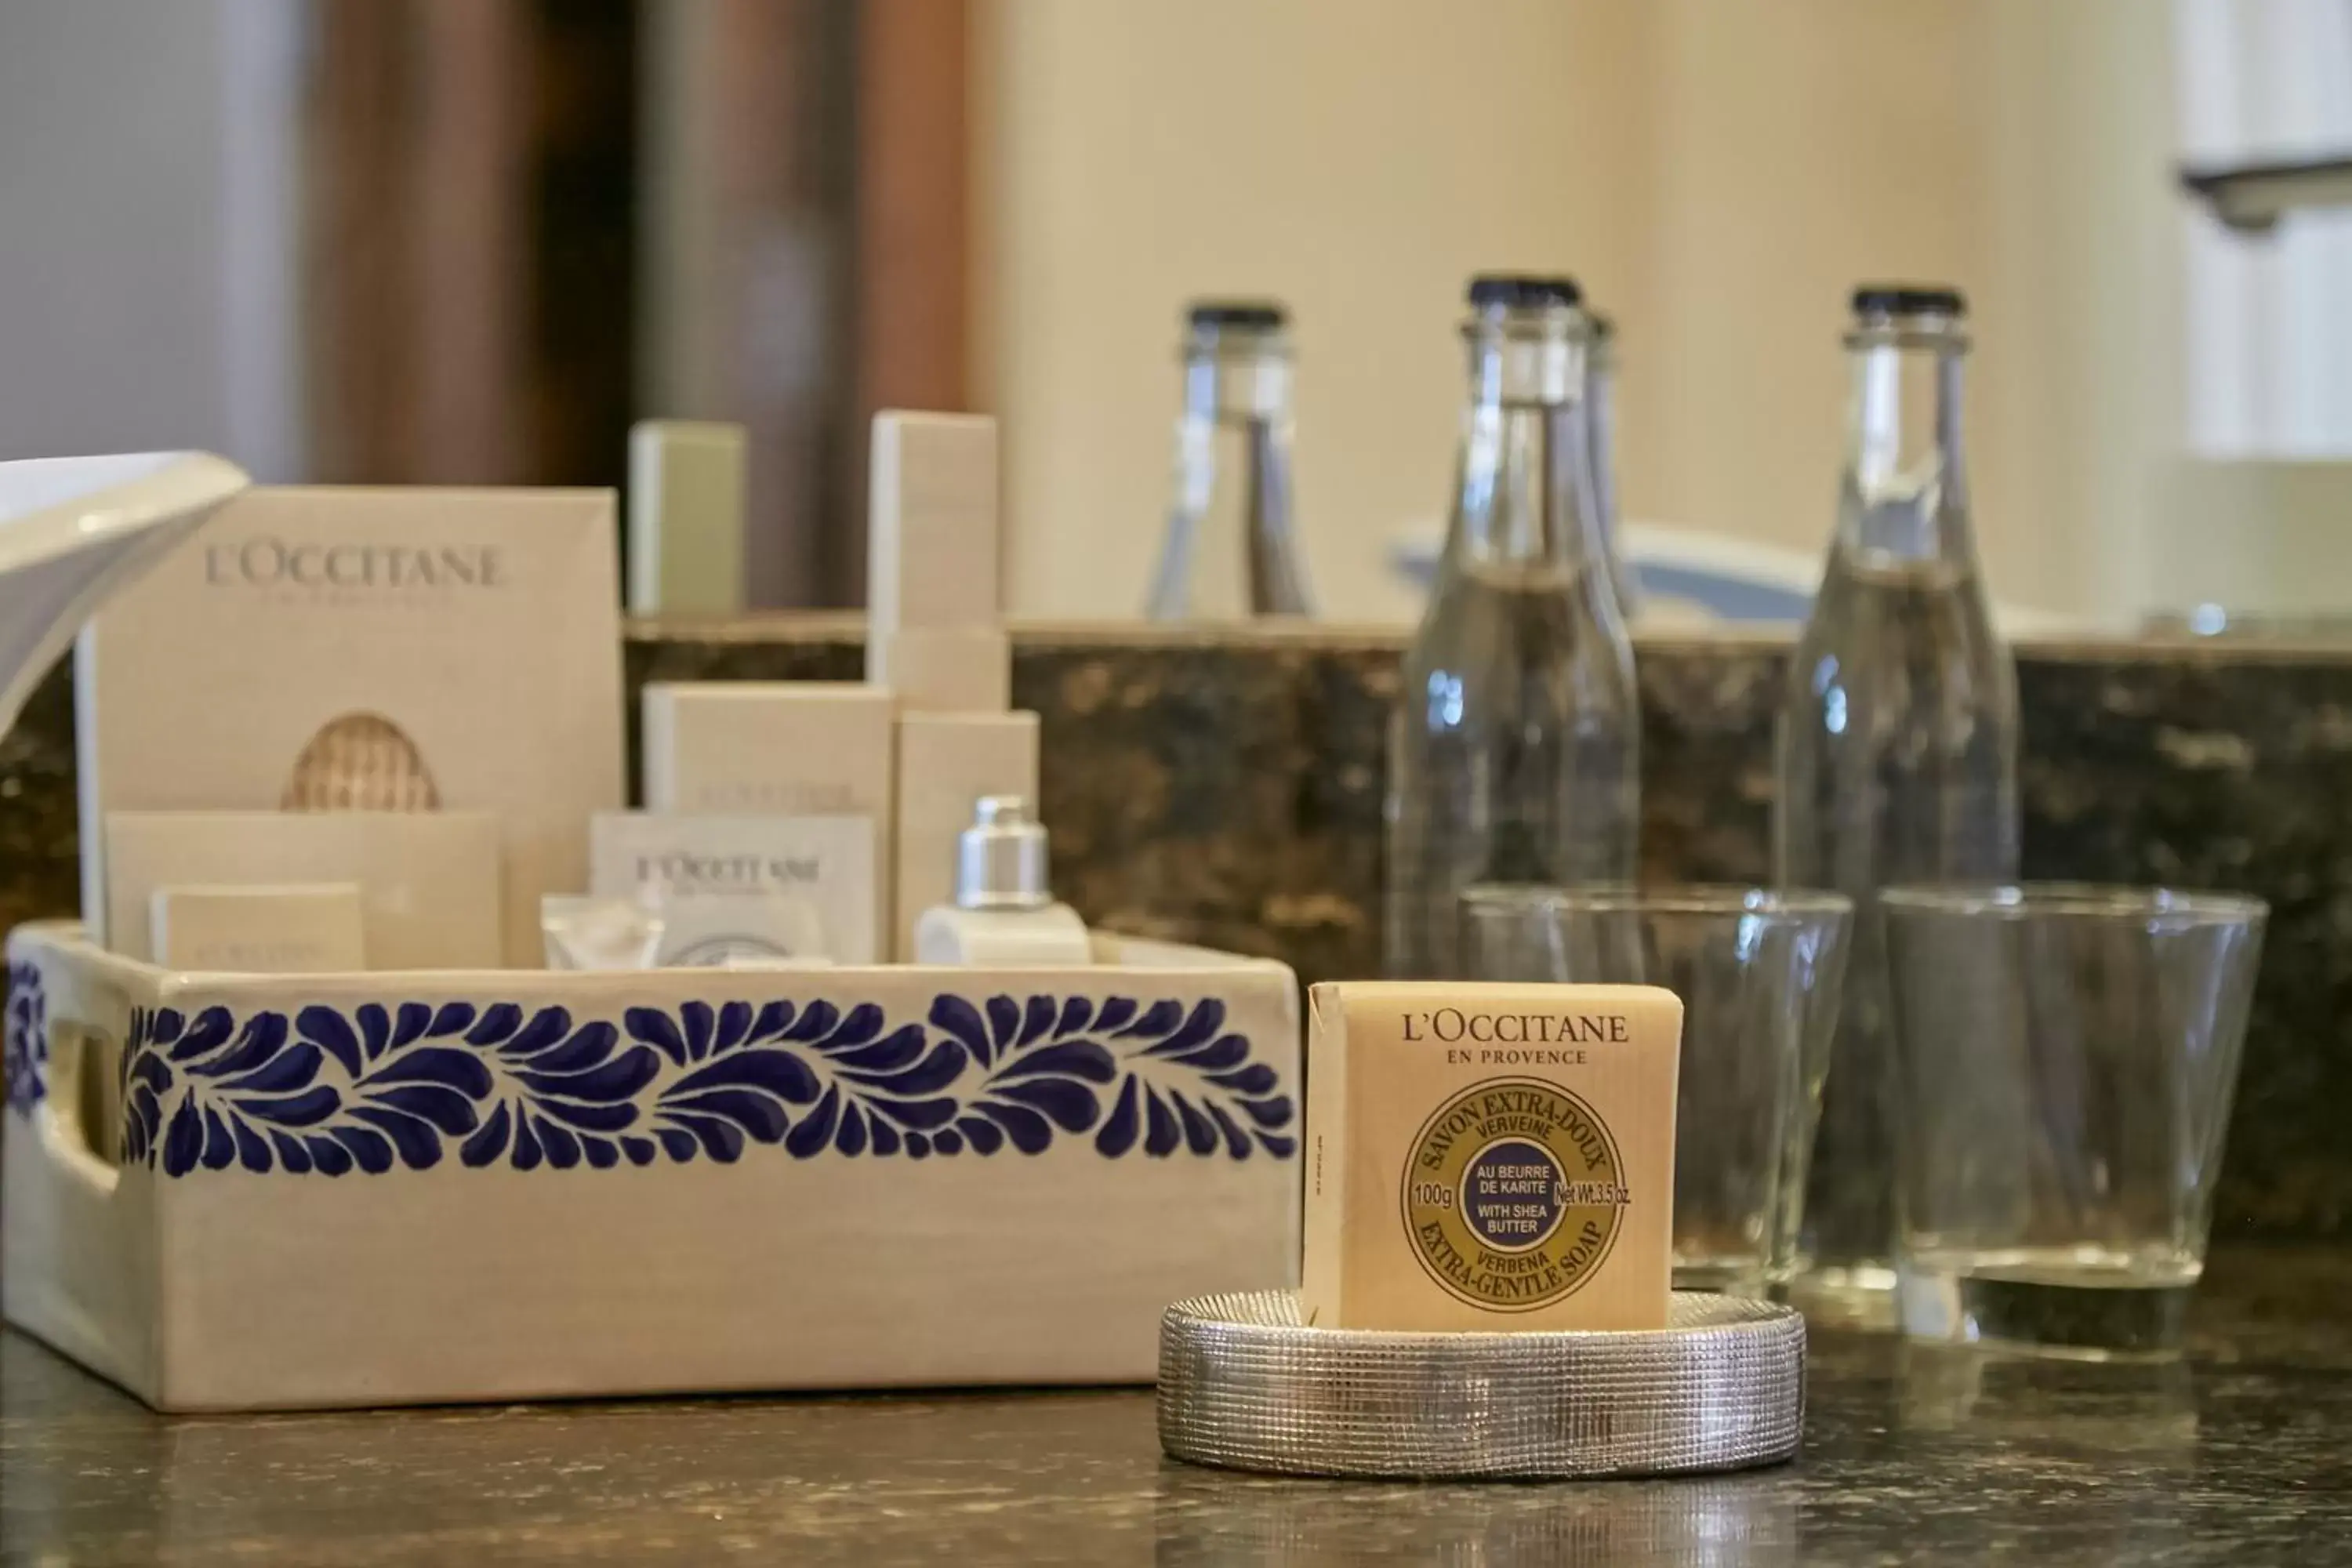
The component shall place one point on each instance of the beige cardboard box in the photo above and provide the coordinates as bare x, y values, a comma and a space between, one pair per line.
428, 881
298, 928
1490, 1157
931, 529
402, 649
784, 748
963, 671
686, 518
826, 863
946, 762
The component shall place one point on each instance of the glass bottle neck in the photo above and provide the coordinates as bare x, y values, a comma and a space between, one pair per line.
1600, 436
1229, 551
1239, 385
1906, 482
1525, 507
1236, 380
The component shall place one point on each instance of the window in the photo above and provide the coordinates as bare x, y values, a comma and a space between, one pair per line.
2269, 316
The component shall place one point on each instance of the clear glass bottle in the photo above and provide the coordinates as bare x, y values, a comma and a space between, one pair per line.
1514, 751
1230, 550
1600, 444
1896, 751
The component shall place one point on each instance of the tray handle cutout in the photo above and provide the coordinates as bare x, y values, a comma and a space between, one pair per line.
85, 1103
71, 1026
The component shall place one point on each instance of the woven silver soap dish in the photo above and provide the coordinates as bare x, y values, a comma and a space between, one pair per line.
1245, 1386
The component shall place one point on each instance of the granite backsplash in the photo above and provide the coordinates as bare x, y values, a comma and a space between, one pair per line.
1226, 789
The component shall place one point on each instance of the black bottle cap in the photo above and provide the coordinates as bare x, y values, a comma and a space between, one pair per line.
1259, 315
1908, 300
1522, 291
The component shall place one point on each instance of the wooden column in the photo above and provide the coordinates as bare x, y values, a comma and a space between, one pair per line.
470, 260
913, 234
416, 249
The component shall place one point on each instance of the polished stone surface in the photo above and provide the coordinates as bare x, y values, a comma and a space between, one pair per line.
2242, 1453
1226, 787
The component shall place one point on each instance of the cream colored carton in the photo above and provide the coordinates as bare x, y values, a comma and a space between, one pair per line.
1490, 1157
965, 670
946, 762
427, 880
767, 748
780, 748
296, 928
823, 863
931, 523
686, 518
404, 649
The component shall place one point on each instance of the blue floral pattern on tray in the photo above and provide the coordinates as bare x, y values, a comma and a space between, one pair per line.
412, 1084
25, 1040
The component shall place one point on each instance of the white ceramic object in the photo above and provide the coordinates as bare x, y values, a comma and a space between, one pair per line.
1009, 939
279, 1192
75, 529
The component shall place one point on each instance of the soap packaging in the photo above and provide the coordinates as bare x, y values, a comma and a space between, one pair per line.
963, 670
786, 748
934, 631
1485, 1157
427, 882
738, 889
776, 930
947, 763
306, 928
408, 649
746, 747
584, 932
931, 531
686, 517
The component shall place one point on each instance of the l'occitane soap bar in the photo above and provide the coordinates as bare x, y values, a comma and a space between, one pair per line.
1490, 1157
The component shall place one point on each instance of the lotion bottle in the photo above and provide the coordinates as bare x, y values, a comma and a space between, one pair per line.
1004, 916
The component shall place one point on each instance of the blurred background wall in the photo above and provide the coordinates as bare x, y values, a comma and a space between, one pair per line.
146, 213
443, 241
1717, 176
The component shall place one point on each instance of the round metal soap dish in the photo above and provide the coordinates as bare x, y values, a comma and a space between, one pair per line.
1244, 1385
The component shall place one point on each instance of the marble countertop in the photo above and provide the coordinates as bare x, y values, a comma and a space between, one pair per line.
2242, 1453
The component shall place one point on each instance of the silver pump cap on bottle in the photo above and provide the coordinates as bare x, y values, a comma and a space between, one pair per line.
1000, 857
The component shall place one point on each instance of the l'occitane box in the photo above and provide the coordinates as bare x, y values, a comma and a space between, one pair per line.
331, 648
1490, 1157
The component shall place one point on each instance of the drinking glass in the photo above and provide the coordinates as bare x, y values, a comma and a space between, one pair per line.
2065, 1061
1759, 973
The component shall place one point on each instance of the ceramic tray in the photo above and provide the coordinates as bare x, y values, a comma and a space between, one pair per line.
262, 1192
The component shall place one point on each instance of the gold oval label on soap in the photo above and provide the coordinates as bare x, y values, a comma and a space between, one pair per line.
1513, 1195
